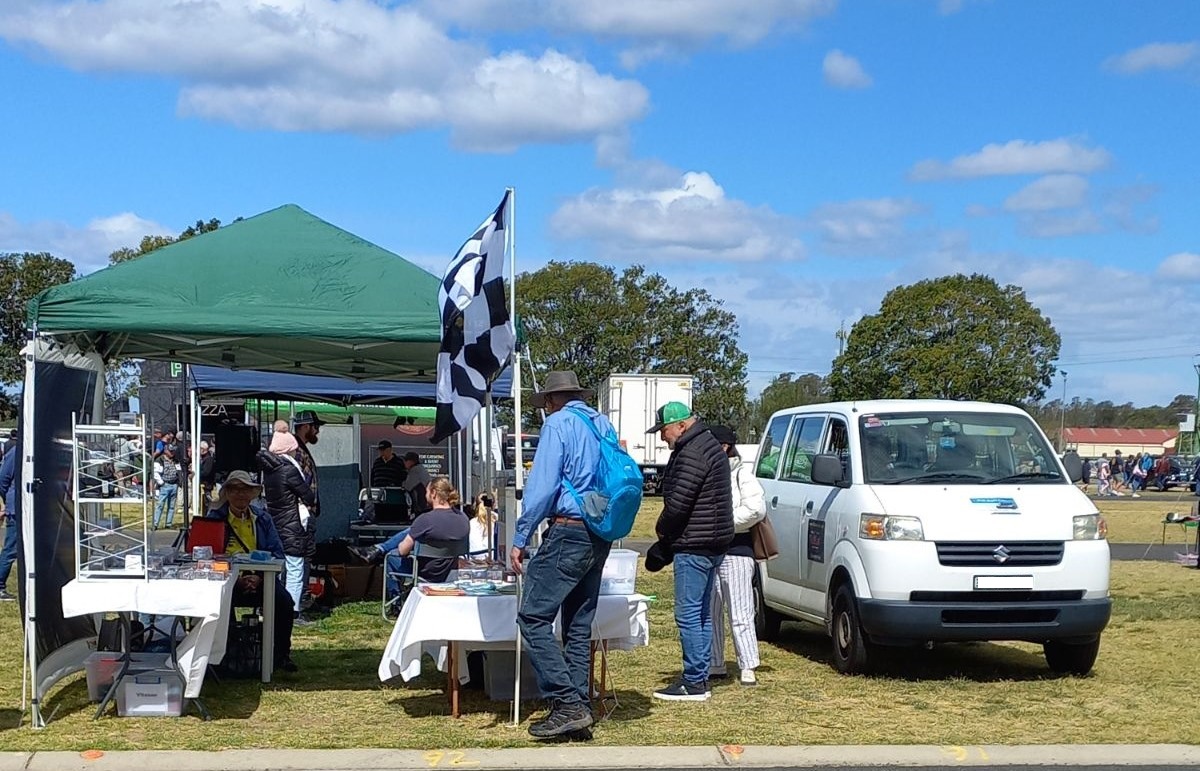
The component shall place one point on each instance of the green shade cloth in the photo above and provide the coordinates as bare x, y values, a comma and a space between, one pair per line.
283, 291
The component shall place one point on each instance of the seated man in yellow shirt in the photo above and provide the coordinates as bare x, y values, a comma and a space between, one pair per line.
249, 528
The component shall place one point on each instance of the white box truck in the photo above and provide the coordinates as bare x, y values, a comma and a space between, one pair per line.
630, 402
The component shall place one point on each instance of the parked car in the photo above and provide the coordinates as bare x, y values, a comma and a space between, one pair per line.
1181, 473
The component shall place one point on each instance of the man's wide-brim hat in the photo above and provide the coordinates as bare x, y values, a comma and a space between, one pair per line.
557, 383
237, 478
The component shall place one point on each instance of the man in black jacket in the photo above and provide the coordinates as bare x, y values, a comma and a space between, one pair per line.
697, 525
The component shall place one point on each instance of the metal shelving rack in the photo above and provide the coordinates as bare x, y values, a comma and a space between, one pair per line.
111, 512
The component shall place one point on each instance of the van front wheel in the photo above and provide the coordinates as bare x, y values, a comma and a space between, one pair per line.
853, 653
1071, 658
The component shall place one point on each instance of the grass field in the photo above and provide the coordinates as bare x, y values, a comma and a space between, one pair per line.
1140, 691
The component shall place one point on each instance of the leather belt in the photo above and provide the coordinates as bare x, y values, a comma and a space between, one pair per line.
561, 520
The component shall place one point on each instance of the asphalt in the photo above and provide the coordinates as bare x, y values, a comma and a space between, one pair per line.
595, 757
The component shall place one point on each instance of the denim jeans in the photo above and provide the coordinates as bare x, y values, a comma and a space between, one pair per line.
166, 498
694, 577
296, 571
12, 542
563, 574
395, 566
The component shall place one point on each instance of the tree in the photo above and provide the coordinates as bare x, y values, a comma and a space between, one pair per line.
22, 277
586, 317
955, 337
790, 390
150, 243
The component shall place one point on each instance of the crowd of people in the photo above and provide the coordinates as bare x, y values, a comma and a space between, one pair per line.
1132, 474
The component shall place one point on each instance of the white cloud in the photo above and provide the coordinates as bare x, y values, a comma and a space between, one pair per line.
1154, 56
325, 65
691, 219
653, 29
844, 71
1054, 191
1044, 224
1016, 157
873, 227
88, 246
1182, 266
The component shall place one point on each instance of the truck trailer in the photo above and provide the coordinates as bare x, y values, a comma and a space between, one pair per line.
630, 401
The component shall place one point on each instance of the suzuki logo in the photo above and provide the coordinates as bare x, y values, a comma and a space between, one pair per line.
1000, 554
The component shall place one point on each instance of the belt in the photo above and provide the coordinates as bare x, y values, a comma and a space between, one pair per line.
561, 520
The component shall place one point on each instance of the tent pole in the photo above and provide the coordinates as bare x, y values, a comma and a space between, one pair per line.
28, 523
194, 403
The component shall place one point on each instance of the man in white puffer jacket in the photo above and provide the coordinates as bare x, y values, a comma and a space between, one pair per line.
734, 587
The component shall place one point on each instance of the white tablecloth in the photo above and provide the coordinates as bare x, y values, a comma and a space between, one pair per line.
209, 601
427, 622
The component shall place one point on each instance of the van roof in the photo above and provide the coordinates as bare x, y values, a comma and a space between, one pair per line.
871, 406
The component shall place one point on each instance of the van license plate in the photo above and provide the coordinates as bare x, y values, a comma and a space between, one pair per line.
1004, 582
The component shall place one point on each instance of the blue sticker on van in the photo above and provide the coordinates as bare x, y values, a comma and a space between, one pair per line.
1000, 503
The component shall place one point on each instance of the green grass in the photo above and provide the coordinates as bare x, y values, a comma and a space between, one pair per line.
1141, 691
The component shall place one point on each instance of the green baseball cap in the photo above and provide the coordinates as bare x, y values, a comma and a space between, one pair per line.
671, 412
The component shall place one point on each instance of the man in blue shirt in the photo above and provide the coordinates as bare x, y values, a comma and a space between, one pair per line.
10, 493
564, 574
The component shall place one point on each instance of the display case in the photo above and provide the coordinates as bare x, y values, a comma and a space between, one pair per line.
110, 475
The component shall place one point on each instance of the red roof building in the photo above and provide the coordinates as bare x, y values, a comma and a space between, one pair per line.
1094, 442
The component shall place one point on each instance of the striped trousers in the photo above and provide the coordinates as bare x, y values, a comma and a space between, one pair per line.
733, 590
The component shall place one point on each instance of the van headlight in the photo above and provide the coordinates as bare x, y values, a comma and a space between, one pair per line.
1089, 527
877, 527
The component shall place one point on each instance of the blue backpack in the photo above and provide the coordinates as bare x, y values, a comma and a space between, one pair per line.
610, 509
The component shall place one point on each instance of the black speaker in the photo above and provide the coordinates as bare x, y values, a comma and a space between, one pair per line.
237, 447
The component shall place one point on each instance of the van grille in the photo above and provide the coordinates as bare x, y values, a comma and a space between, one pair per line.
1024, 554
1006, 616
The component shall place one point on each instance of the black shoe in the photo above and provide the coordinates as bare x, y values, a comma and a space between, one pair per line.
368, 555
287, 665
682, 691
563, 719
393, 611
6, 597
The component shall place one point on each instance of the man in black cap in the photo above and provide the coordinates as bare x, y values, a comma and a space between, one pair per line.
387, 470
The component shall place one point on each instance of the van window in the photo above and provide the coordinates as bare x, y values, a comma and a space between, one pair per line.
772, 447
955, 448
803, 443
837, 442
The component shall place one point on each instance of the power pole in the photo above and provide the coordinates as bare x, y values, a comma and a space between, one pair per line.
841, 336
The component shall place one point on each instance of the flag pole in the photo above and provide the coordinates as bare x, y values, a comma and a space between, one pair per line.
518, 460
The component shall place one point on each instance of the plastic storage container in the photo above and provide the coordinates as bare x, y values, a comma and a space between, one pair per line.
620, 572
102, 666
499, 678
157, 693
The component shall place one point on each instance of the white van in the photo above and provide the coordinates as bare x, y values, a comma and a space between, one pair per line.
913, 521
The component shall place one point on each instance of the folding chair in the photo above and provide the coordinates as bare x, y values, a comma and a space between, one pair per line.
408, 580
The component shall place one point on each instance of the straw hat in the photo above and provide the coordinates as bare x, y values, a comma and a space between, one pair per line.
237, 478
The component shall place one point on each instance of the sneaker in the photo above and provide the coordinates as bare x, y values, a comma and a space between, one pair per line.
682, 691
6, 597
287, 665
748, 678
303, 620
1135, 495
563, 719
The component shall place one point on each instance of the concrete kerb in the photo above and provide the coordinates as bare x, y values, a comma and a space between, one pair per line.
598, 757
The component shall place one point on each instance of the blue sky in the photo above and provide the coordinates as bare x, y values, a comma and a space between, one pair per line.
798, 158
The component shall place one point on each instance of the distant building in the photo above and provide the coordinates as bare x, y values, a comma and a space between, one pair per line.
1094, 442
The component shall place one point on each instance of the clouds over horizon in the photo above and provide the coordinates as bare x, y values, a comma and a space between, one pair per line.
841, 70
1154, 56
327, 66
1017, 157
88, 246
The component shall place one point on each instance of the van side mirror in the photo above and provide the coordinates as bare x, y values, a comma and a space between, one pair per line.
1073, 464
827, 470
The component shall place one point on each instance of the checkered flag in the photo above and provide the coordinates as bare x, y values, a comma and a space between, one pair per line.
477, 333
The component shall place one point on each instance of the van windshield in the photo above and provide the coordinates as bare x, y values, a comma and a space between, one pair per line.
955, 448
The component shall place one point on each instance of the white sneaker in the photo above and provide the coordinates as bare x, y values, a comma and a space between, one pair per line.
748, 678
1135, 495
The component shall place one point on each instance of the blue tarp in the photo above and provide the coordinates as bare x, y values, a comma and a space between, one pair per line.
216, 382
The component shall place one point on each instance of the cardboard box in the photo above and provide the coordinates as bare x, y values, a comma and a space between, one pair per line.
364, 582
337, 576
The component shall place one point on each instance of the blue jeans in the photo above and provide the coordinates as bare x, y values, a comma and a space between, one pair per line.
395, 566
12, 542
166, 498
694, 577
296, 571
564, 573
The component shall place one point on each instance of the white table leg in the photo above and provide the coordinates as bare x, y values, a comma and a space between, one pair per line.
268, 632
